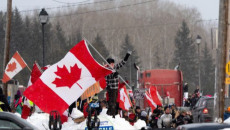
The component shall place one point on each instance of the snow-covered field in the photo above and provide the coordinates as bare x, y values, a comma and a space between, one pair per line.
41, 122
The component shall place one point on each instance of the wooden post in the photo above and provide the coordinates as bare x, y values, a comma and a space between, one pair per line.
7, 41
222, 58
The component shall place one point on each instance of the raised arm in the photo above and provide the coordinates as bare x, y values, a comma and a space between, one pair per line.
119, 65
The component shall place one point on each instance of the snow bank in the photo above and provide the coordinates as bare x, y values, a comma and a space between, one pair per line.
227, 121
139, 124
41, 122
76, 113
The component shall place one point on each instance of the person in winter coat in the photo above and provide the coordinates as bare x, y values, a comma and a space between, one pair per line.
154, 119
227, 113
18, 104
184, 118
132, 116
165, 120
196, 90
158, 110
93, 110
193, 100
144, 116
138, 112
173, 110
4, 106
112, 81
125, 115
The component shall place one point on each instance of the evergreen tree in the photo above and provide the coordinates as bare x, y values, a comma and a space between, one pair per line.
157, 58
2, 40
98, 44
17, 44
185, 54
59, 44
17, 33
36, 44
128, 69
207, 71
78, 36
74, 38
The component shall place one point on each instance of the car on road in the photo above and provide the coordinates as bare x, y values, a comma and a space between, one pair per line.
203, 126
11, 121
203, 110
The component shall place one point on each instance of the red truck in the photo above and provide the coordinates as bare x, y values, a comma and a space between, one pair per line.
168, 83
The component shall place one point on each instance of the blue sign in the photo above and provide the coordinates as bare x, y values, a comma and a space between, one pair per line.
94, 105
103, 128
105, 124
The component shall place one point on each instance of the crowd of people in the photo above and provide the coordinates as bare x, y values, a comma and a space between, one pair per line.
162, 117
192, 99
16, 106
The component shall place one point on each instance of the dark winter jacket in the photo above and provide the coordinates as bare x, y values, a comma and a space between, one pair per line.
180, 120
186, 88
196, 91
226, 115
112, 80
157, 111
5, 106
193, 101
153, 121
173, 113
187, 103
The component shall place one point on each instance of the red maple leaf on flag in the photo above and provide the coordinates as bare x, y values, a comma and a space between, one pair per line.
11, 67
67, 78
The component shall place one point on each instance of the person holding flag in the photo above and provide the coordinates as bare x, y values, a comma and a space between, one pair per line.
65, 81
112, 81
28, 105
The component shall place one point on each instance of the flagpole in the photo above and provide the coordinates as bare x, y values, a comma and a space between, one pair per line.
106, 62
28, 68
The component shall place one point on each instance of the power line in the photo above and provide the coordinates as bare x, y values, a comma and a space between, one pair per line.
70, 3
67, 6
123, 6
145, 26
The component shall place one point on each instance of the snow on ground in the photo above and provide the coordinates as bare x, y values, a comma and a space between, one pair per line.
41, 122
227, 121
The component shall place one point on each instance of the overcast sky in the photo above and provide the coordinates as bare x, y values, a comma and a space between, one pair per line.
209, 8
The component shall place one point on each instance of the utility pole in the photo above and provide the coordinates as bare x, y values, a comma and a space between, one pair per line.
222, 53
7, 41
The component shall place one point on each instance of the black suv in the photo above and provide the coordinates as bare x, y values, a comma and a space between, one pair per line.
203, 110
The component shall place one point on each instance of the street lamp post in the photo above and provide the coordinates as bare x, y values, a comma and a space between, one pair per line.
43, 16
138, 69
198, 41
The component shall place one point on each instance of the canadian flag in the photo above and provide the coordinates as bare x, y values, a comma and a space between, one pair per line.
125, 102
155, 95
35, 74
150, 101
64, 82
15, 65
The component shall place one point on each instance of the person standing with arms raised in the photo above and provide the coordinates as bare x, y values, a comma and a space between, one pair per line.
112, 81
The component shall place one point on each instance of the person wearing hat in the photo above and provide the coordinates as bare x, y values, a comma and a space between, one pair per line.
173, 110
112, 81
165, 120
227, 113
184, 118
132, 116
138, 112
158, 110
